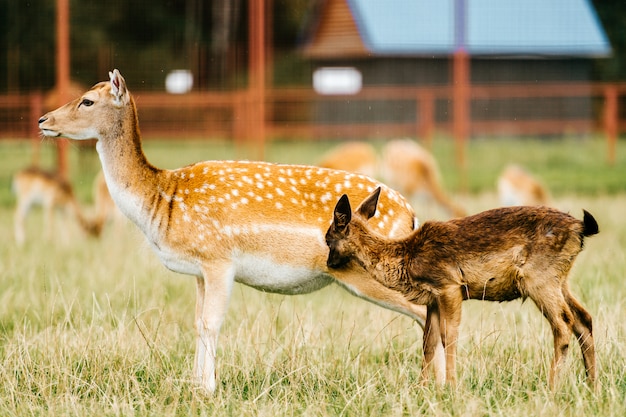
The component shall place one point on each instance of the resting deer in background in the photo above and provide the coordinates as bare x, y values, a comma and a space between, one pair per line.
517, 187
35, 186
412, 170
358, 157
497, 255
256, 223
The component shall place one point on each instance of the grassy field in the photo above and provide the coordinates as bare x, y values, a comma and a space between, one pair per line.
99, 327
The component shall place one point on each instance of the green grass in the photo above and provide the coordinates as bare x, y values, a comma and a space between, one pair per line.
99, 327
566, 166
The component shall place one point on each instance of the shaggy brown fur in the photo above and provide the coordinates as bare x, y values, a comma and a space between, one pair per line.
497, 255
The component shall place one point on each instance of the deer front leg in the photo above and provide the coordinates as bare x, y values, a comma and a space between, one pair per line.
213, 294
433, 349
18, 221
449, 321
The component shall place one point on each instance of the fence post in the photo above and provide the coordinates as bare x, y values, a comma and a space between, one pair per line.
425, 118
460, 109
611, 123
63, 74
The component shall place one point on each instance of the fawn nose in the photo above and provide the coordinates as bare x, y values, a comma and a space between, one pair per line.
42, 119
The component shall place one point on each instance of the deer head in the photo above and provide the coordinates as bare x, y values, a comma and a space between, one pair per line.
338, 236
87, 116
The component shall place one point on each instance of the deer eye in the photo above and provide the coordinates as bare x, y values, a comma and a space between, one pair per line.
86, 102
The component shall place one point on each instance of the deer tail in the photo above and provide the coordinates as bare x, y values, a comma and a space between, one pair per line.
590, 226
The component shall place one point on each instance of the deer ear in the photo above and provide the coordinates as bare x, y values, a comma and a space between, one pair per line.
367, 208
118, 87
343, 213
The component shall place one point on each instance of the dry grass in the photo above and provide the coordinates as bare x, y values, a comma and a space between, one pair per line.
99, 327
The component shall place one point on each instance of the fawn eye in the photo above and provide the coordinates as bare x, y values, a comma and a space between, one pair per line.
86, 102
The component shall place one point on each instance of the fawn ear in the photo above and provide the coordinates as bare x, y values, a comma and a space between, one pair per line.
118, 88
342, 214
367, 208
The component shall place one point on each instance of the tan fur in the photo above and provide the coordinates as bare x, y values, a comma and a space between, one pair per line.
517, 187
257, 223
35, 186
411, 169
358, 157
498, 255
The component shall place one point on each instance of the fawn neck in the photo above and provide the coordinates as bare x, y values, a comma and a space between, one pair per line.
375, 254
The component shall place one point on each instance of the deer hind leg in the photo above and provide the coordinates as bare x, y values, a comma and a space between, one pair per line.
213, 295
552, 304
434, 356
582, 328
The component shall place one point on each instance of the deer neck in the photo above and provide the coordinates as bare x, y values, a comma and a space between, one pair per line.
379, 257
130, 177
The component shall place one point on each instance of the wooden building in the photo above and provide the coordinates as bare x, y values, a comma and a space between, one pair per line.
411, 42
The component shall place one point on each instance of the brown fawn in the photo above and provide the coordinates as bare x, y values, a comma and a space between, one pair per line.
257, 223
497, 255
36, 186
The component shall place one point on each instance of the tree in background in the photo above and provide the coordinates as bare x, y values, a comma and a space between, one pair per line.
146, 40
612, 14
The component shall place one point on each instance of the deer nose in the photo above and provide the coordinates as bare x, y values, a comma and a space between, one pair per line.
42, 119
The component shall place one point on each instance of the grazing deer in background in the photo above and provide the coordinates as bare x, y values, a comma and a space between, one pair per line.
106, 211
257, 223
358, 157
411, 169
497, 255
517, 187
36, 186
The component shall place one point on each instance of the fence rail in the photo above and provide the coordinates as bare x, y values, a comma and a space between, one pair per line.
520, 109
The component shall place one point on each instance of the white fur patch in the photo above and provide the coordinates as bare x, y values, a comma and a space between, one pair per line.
267, 274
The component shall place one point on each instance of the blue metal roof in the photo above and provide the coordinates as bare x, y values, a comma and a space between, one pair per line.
492, 27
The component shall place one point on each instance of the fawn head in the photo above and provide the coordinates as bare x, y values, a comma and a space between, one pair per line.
90, 115
338, 237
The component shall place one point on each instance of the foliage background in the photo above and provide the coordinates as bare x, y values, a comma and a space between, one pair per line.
146, 40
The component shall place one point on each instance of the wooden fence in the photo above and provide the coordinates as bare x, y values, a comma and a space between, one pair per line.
295, 113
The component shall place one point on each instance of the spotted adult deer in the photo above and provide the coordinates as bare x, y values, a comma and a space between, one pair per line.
36, 186
256, 223
413, 170
517, 187
497, 255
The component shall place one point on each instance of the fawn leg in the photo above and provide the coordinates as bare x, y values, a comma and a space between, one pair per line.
554, 308
449, 321
582, 328
432, 347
